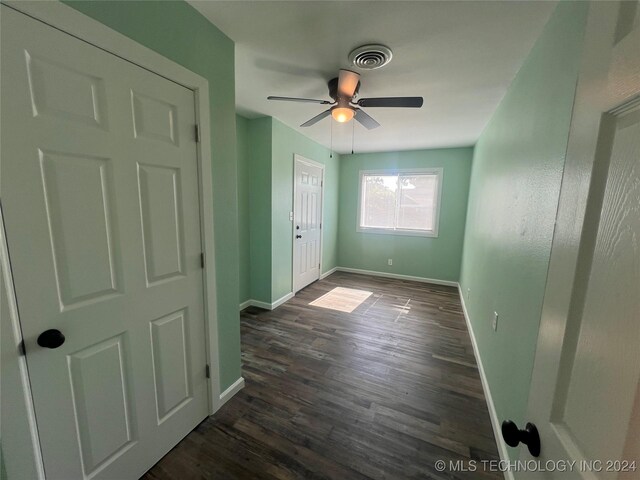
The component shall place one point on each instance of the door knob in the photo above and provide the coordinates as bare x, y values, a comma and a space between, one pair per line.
298, 236
529, 436
51, 338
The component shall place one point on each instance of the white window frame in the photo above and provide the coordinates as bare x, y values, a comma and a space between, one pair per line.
438, 172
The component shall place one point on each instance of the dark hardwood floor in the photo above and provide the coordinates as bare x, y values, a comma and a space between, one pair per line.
380, 393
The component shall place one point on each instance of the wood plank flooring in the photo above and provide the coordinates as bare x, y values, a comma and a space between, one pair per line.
379, 393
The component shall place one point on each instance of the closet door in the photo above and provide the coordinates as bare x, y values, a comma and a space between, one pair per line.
101, 206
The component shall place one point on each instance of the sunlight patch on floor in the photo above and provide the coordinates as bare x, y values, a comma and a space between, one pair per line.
342, 299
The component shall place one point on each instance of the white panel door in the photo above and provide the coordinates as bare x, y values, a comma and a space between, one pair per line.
100, 198
307, 225
585, 392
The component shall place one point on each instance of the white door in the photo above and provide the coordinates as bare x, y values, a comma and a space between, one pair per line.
307, 222
100, 199
585, 397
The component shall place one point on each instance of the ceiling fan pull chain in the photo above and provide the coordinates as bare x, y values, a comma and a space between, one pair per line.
353, 135
331, 137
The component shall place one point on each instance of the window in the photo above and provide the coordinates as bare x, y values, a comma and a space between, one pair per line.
401, 202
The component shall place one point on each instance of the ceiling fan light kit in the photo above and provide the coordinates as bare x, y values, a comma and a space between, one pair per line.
342, 114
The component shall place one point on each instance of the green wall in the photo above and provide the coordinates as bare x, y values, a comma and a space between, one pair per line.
435, 258
177, 31
244, 179
259, 144
286, 142
515, 184
267, 148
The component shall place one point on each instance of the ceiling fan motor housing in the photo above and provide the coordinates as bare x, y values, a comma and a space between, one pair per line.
333, 89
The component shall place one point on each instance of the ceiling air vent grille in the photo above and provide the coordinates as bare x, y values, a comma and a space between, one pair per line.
369, 57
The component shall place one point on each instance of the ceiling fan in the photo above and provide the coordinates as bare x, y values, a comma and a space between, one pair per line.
342, 90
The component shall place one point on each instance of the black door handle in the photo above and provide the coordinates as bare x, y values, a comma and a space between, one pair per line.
298, 236
529, 436
51, 338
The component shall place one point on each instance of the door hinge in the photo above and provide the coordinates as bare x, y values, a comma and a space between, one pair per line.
202, 260
207, 371
197, 129
22, 351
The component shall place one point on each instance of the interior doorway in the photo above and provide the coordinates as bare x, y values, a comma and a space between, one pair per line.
308, 185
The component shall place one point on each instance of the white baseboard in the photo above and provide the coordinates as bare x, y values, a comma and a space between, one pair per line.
281, 300
290, 295
231, 391
495, 421
265, 305
259, 304
326, 274
434, 281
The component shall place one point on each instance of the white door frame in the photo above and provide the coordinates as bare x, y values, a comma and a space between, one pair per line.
25, 458
69, 20
301, 159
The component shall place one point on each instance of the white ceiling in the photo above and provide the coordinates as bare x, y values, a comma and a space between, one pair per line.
459, 55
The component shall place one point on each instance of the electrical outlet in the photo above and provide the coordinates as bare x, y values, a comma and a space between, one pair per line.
291, 216
390, 261
468, 294
494, 324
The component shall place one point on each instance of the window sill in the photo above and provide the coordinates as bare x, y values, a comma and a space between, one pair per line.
403, 233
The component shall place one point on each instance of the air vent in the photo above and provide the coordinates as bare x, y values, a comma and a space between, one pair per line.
369, 57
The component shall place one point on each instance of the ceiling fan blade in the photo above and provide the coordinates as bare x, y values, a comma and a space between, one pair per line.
302, 100
347, 83
406, 102
365, 119
316, 119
